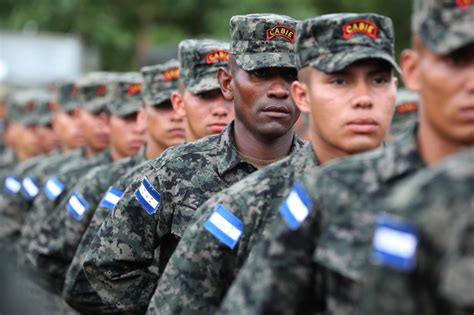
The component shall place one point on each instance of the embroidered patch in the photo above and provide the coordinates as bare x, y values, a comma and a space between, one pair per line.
281, 31
30, 189
215, 55
77, 206
12, 185
111, 197
296, 207
148, 197
360, 26
464, 4
407, 108
53, 188
170, 74
225, 226
134, 88
394, 243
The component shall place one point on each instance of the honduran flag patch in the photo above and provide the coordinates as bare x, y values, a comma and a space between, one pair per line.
225, 226
394, 243
77, 206
148, 197
111, 197
29, 188
296, 207
53, 188
12, 185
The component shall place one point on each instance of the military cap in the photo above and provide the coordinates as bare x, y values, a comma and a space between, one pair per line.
263, 40
68, 96
45, 110
160, 81
127, 94
199, 60
95, 92
406, 111
26, 108
332, 42
444, 25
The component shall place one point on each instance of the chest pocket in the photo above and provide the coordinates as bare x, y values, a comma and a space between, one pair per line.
184, 212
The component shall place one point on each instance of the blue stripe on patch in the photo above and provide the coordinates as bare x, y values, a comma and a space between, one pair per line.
225, 226
12, 185
111, 197
296, 207
29, 188
77, 206
394, 243
148, 197
53, 188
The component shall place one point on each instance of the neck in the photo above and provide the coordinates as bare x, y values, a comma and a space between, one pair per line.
90, 151
326, 153
434, 147
153, 149
115, 154
23, 156
259, 148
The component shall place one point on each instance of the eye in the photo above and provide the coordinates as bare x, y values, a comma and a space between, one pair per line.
261, 73
291, 75
338, 81
381, 80
209, 95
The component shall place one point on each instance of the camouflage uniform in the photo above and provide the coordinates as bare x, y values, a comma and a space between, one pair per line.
178, 182
202, 267
440, 281
406, 112
289, 280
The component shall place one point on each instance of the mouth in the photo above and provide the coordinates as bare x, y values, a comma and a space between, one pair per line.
217, 127
363, 125
136, 144
276, 111
467, 113
176, 132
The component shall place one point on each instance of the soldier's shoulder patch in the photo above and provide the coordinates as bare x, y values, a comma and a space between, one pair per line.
30, 188
360, 26
394, 243
77, 205
12, 185
53, 188
111, 198
296, 207
147, 196
281, 31
225, 226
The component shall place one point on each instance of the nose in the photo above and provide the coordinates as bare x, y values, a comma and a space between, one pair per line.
140, 126
280, 89
362, 96
221, 108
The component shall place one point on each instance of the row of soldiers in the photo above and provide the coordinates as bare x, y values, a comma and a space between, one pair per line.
246, 217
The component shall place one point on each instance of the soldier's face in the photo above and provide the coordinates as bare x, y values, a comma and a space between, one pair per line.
446, 87
28, 140
350, 110
67, 127
96, 129
127, 135
165, 125
48, 138
262, 100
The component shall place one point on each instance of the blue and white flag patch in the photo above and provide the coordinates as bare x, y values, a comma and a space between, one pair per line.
53, 188
148, 197
394, 244
77, 206
111, 197
12, 185
225, 226
30, 189
296, 207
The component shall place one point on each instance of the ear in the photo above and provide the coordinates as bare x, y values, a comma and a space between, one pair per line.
225, 81
299, 92
178, 103
410, 63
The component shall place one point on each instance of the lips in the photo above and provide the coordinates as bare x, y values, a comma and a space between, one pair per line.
217, 127
276, 111
176, 132
467, 113
363, 125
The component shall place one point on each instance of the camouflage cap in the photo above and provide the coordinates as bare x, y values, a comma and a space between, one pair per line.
28, 108
68, 96
263, 40
160, 81
95, 92
45, 109
199, 60
444, 25
406, 111
332, 42
127, 95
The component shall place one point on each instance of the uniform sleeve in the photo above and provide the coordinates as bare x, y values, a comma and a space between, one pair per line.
117, 265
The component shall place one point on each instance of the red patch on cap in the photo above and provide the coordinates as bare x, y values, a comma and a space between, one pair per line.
101, 90
53, 105
135, 88
281, 31
215, 55
170, 74
464, 4
360, 26
407, 108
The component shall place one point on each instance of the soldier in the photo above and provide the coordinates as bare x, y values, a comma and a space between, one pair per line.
165, 128
158, 205
406, 113
344, 198
205, 263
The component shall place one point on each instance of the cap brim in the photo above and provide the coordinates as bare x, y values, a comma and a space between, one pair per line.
159, 98
96, 106
254, 61
448, 42
127, 109
204, 84
339, 61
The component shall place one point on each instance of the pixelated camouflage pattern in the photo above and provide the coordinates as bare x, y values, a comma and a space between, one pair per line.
346, 196
252, 48
323, 43
96, 92
201, 269
185, 176
77, 291
196, 73
443, 25
441, 205
160, 81
127, 94
45, 110
406, 112
68, 96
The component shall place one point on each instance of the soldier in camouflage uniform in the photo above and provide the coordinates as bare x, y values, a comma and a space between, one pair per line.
163, 124
343, 199
204, 263
158, 205
406, 113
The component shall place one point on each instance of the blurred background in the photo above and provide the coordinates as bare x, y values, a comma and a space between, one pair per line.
48, 40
